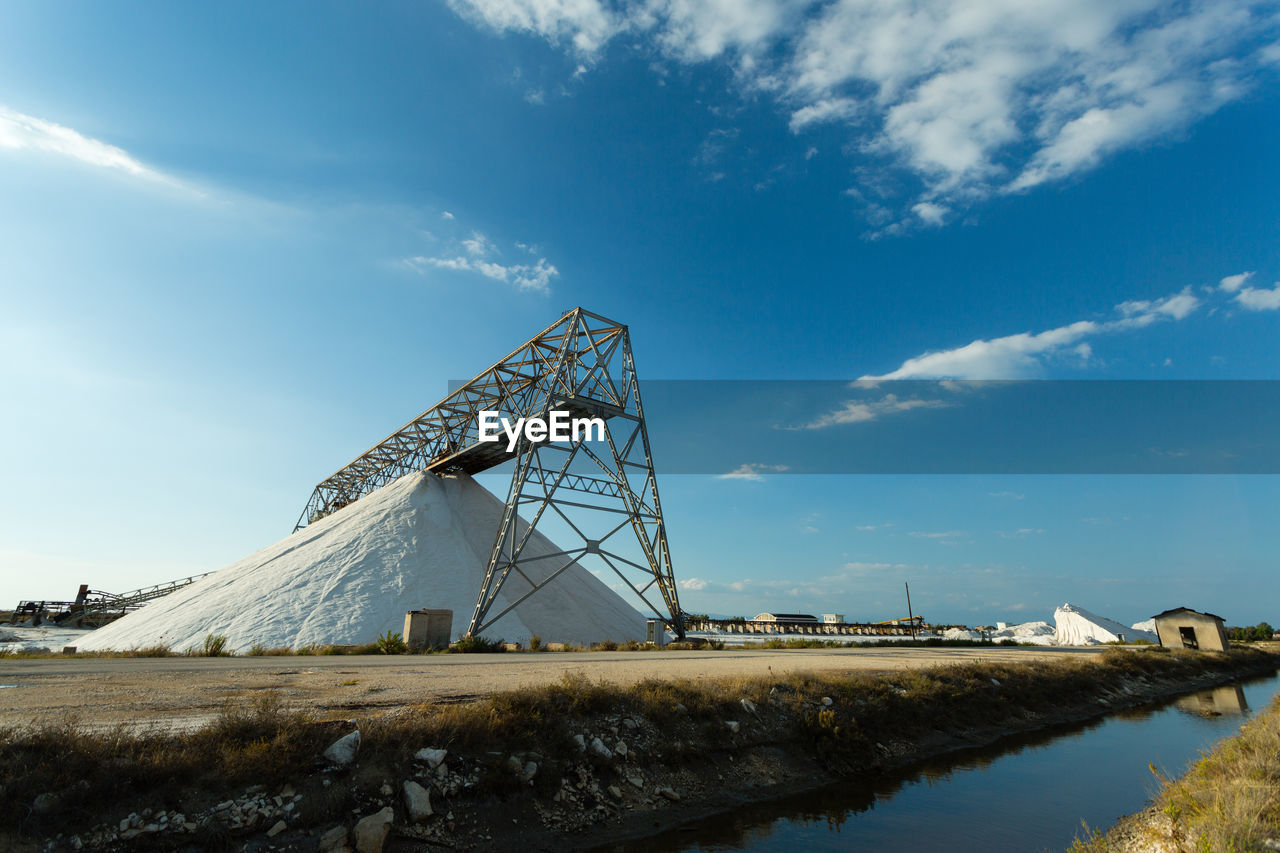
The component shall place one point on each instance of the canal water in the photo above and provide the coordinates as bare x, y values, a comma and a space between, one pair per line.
1024, 793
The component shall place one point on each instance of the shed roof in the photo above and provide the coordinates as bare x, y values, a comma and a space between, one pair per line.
1188, 610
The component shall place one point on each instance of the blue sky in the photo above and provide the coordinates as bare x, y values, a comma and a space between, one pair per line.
240, 243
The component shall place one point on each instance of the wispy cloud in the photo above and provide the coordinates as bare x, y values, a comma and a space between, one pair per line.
19, 132
1026, 354
943, 536
473, 254
753, 471
861, 411
953, 101
1021, 533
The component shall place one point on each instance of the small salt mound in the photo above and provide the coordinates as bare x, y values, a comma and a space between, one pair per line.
1149, 626
1078, 627
420, 542
960, 634
1035, 633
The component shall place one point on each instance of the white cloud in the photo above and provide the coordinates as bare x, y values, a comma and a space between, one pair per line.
861, 411
19, 132
961, 99
584, 24
825, 110
930, 213
533, 278
1232, 283
1025, 354
1259, 299
446, 215
478, 245
753, 471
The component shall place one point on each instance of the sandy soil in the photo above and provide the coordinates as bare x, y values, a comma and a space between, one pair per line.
188, 691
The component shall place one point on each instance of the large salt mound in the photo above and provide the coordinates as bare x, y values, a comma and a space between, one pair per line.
420, 542
1036, 633
1078, 627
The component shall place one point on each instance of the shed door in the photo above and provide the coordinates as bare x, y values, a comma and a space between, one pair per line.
1188, 637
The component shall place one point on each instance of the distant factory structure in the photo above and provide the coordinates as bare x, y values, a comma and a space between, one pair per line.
831, 624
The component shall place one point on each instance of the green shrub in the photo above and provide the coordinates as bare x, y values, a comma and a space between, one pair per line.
535, 643
477, 645
392, 644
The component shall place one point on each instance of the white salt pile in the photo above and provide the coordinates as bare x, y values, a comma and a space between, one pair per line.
960, 634
1078, 627
1148, 625
420, 542
1035, 633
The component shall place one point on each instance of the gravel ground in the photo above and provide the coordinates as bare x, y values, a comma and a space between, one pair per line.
188, 691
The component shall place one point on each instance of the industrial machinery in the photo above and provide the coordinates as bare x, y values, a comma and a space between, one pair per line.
601, 485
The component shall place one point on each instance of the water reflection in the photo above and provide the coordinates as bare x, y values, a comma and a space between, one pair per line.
1025, 792
1228, 699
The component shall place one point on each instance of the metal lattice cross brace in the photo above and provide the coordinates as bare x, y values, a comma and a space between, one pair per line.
602, 493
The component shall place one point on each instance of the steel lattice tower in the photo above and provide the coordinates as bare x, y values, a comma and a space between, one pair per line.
604, 491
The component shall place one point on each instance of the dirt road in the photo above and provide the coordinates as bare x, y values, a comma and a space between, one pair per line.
187, 691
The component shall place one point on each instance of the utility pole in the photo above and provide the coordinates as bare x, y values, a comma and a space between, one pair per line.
911, 619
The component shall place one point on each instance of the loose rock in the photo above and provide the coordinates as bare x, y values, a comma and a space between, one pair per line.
433, 757
598, 747
333, 839
371, 832
417, 801
343, 750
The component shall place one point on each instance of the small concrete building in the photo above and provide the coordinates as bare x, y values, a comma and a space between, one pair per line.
1184, 628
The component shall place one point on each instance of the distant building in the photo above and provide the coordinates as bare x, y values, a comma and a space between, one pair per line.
833, 618
792, 618
1184, 628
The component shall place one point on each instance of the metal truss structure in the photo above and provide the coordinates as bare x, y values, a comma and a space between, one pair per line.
598, 488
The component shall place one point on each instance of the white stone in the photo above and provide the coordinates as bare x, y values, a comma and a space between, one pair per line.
748, 705
279, 827
371, 831
417, 801
581, 742
433, 757
731, 725
827, 702
598, 747
621, 748
343, 750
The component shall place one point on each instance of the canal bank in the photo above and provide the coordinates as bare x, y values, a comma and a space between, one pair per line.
571, 765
